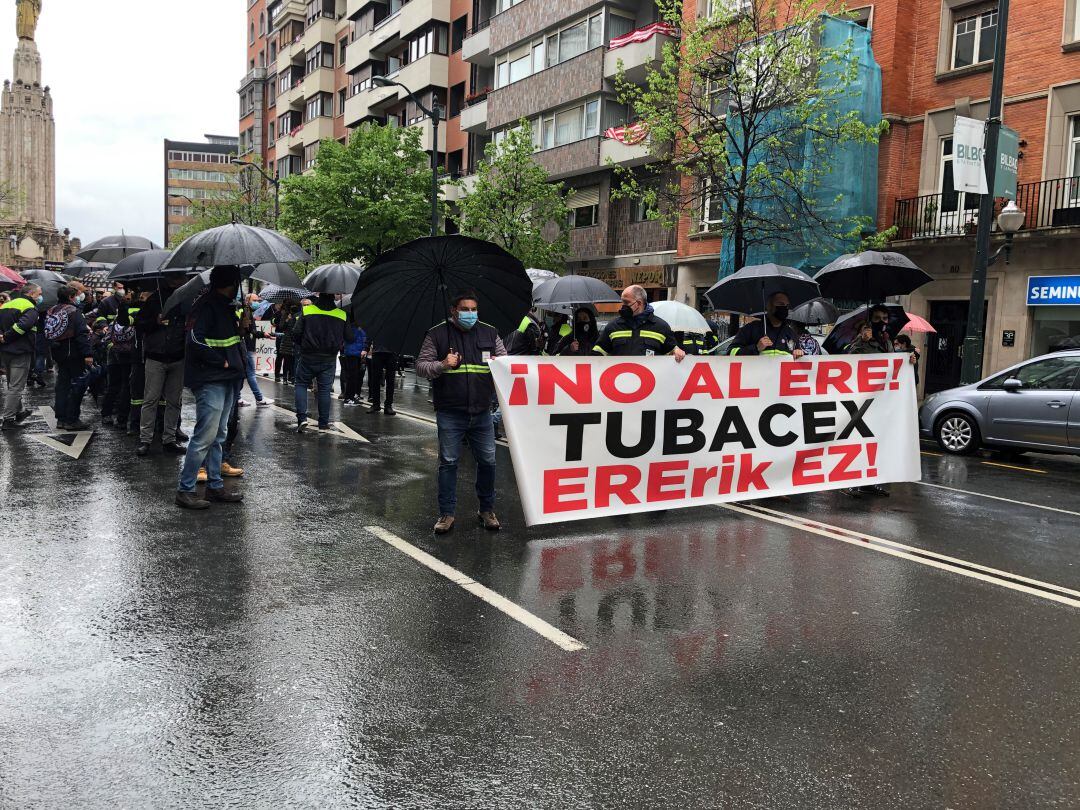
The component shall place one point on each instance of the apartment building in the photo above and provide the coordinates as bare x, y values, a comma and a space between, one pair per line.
195, 170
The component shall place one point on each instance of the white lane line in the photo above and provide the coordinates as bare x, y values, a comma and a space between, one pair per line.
999, 498
1004, 579
497, 601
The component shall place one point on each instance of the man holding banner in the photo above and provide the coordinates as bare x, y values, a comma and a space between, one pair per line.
455, 358
638, 331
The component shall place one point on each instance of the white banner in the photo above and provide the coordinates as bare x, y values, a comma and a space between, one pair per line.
592, 437
968, 165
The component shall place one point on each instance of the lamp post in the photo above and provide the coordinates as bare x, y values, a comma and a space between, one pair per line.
433, 114
971, 370
271, 180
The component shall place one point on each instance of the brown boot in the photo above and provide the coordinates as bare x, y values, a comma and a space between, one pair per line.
444, 524
489, 521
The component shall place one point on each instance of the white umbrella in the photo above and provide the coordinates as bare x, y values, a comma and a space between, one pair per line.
680, 317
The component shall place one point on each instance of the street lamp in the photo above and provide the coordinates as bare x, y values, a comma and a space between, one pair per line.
1010, 220
433, 114
271, 180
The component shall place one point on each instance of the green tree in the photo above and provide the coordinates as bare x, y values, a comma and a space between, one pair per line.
746, 114
513, 204
247, 199
363, 198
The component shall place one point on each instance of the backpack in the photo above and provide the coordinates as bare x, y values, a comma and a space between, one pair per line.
122, 337
58, 323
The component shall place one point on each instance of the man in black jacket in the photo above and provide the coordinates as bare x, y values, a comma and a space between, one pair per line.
18, 319
638, 331
162, 338
319, 333
772, 336
73, 355
213, 363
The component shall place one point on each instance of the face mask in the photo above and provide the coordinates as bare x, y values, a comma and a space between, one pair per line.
626, 312
468, 319
585, 327
781, 313
80, 298
877, 327
40, 300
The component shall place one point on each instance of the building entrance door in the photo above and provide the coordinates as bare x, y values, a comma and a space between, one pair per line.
945, 350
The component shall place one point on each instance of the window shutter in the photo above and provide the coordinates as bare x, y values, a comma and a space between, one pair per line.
583, 197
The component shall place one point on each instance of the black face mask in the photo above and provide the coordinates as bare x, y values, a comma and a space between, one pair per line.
877, 327
781, 313
626, 312
585, 326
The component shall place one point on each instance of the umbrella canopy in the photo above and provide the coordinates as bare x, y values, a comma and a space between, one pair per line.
236, 244
747, 290
279, 274
918, 324
847, 328
96, 279
113, 249
681, 317
538, 276
573, 290
870, 276
407, 290
815, 313
183, 297
277, 295
48, 280
80, 268
9, 279
145, 265
333, 279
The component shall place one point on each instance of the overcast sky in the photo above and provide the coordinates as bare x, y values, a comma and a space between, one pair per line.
125, 75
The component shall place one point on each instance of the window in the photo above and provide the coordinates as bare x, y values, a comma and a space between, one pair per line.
549, 51
321, 104
640, 210
321, 56
270, 132
618, 26
584, 205
343, 48
584, 217
251, 35
262, 24
432, 40
262, 59
503, 5
566, 126
457, 99
973, 39
712, 206
718, 97
320, 8
520, 68
311, 151
1052, 374
457, 33
179, 210
288, 166
957, 208
341, 101
273, 51
202, 175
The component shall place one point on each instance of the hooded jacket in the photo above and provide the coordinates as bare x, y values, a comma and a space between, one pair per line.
214, 350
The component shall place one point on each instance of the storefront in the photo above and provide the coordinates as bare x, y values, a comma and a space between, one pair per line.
653, 278
1054, 302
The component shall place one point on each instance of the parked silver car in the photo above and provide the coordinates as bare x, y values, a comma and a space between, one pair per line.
1034, 405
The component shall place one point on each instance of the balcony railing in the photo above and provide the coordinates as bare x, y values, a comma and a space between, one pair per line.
480, 26
1047, 204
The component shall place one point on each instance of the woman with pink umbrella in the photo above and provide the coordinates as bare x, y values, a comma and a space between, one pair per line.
915, 325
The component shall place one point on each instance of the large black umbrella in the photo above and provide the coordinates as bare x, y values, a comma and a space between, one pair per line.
183, 297
279, 274
333, 279
80, 268
748, 290
49, 281
407, 290
573, 290
236, 245
815, 313
847, 328
145, 265
870, 276
113, 249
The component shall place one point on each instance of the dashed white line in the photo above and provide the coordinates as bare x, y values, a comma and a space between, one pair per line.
497, 601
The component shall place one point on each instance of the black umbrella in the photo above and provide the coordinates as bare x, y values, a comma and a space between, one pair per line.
236, 245
145, 265
748, 290
573, 290
113, 249
277, 295
870, 276
407, 290
279, 274
333, 279
183, 297
847, 328
815, 313
80, 268
49, 281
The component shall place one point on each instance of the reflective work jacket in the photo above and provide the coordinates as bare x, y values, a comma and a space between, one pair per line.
18, 321
321, 331
213, 339
468, 387
637, 337
784, 339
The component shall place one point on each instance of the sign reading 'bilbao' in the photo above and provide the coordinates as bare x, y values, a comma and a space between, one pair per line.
608, 436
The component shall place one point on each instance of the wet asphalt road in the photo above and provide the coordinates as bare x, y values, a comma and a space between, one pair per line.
276, 654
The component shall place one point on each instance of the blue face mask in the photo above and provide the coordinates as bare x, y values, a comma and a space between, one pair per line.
40, 300
468, 319
80, 298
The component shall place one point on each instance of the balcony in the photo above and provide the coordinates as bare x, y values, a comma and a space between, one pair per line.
474, 117
625, 154
476, 47
554, 87
1047, 204
428, 71
323, 29
636, 58
318, 81
416, 13
425, 135
368, 103
254, 75
358, 52
579, 157
386, 35
317, 129
293, 97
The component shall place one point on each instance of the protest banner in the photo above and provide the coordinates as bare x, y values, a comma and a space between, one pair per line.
265, 355
592, 437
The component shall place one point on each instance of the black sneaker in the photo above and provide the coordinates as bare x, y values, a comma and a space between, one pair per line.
181, 436
8, 424
302, 426
390, 411
852, 492
175, 448
22, 416
221, 496
374, 409
143, 449
189, 500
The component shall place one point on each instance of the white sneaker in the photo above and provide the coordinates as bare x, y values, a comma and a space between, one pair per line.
263, 402
240, 403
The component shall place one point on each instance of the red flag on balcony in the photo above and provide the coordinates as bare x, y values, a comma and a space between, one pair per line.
631, 134
643, 34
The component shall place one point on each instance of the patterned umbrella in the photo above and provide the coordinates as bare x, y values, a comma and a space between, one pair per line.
277, 295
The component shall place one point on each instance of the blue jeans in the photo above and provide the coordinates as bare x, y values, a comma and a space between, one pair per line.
214, 402
479, 431
320, 369
252, 380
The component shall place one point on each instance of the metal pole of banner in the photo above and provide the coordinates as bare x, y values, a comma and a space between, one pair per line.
971, 371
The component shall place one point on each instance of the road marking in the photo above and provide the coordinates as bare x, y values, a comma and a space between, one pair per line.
1012, 467
497, 601
925, 453
74, 450
1004, 579
999, 498
349, 433
49, 416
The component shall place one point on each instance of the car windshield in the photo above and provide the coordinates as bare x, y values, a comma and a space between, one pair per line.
1049, 374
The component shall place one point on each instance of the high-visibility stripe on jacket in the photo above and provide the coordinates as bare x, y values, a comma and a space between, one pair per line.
636, 337
321, 332
18, 322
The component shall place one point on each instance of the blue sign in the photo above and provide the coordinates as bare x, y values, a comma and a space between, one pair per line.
1053, 291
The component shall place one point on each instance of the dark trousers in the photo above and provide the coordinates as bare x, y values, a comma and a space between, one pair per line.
118, 395
72, 378
352, 376
136, 385
383, 371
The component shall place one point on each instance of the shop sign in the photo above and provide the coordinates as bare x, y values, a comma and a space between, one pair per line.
1053, 291
1008, 338
968, 138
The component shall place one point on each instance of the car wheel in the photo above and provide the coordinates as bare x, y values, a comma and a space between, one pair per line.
958, 434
